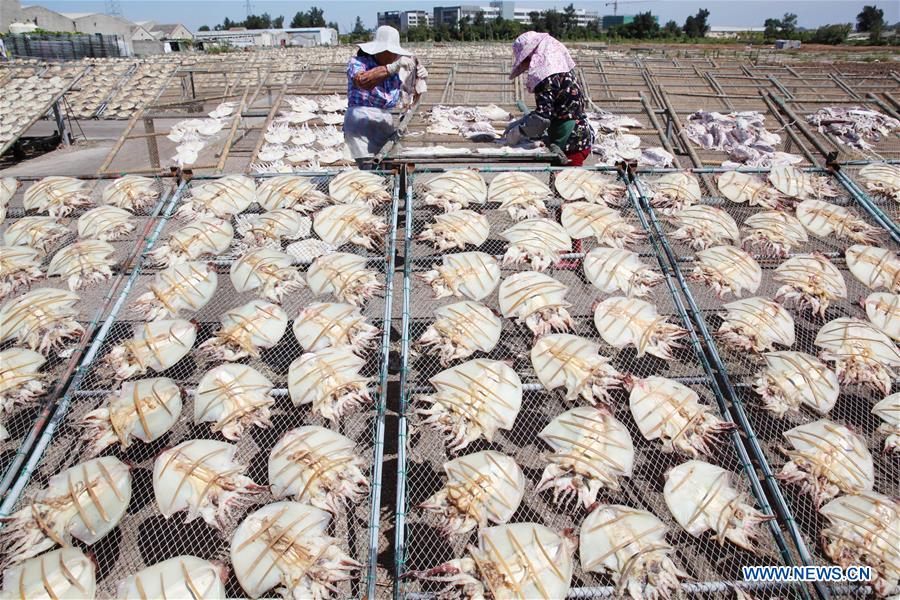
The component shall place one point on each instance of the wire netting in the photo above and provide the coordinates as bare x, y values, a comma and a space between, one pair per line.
880, 199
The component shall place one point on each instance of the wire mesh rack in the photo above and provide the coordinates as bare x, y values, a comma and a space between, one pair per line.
143, 536
715, 568
881, 202
740, 368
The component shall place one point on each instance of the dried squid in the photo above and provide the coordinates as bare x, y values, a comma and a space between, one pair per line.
270, 228
667, 410
83, 264
862, 354
605, 224
233, 397
455, 189
205, 236
794, 379
19, 267
57, 196
522, 195
863, 530
472, 400
630, 545
470, 274
756, 324
20, 380
773, 233
146, 410
292, 192
535, 241
882, 179
613, 270
330, 380
675, 191
8, 187
537, 300
874, 267
828, 220
794, 183
64, 574
182, 287
704, 226
180, 577
359, 187
43, 319
743, 187
222, 198
105, 223
591, 451
85, 501
285, 544
344, 276
456, 229
245, 331
883, 311
888, 410
728, 270
522, 560
131, 192
330, 324
317, 466
811, 282
701, 497
203, 478
268, 271
827, 459
40, 233
157, 345
573, 362
628, 321
590, 185
459, 330
341, 224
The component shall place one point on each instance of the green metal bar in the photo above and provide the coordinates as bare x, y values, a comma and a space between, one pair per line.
866, 203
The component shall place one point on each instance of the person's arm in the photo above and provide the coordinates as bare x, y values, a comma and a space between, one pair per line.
369, 79
536, 122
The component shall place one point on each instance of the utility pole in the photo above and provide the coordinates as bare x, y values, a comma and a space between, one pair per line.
248, 7
113, 8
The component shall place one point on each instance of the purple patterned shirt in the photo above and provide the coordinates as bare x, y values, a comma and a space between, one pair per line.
384, 95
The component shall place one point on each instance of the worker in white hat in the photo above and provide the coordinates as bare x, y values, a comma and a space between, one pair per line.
375, 78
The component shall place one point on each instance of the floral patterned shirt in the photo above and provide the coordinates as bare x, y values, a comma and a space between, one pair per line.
384, 95
559, 98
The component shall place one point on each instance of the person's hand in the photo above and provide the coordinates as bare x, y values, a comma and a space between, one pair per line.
403, 62
421, 72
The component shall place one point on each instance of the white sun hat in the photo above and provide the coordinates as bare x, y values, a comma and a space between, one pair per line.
386, 38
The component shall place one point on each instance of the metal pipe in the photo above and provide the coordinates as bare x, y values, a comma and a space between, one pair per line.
801, 125
868, 205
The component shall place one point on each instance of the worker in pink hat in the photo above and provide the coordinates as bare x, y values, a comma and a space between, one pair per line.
559, 115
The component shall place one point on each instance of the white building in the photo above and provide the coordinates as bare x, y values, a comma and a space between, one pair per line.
310, 36
450, 15
727, 32
245, 38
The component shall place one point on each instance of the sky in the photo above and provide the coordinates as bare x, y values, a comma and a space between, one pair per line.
747, 13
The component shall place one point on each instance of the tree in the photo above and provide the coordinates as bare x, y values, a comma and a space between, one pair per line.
359, 30
643, 27
334, 25
788, 25
772, 27
871, 19
695, 26
537, 21
278, 22
831, 34
203, 28
672, 29
553, 23
315, 17
569, 20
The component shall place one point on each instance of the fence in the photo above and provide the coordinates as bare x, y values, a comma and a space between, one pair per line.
64, 46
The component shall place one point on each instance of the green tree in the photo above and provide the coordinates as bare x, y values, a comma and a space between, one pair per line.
695, 26
672, 29
772, 27
831, 34
479, 26
788, 25
299, 20
359, 30
537, 20
278, 22
553, 23
334, 25
871, 19
569, 19
643, 27
316, 17
203, 28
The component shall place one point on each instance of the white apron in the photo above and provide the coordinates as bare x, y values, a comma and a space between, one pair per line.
367, 129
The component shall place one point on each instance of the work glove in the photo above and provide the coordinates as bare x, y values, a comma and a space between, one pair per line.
404, 62
421, 72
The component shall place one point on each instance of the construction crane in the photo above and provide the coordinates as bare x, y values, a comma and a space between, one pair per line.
615, 4
248, 6
113, 8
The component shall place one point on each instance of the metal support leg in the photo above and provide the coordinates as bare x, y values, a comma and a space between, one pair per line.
64, 134
152, 146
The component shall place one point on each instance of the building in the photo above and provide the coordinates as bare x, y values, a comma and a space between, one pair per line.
610, 21
391, 18
728, 32
450, 15
403, 20
49, 20
240, 37
310, 36
9, 13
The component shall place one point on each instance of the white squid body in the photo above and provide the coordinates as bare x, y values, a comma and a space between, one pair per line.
482, 487
522, 195
131, 192
828, 220
105, 223
522, 560
470, 274
535, 241
827, 459
591, 451
773, 233
341, 224
456, 229
20, 380
794, 379
203, 478
64, 574
756, 324
317, 466
593, 186
455, 189
883, 311
794, 183
573, 362
882, 179
743, 187
727, 270
343, 276
701, 497
270, 228
182, 287
811, 282
628, 321
359, 187
85, 501
40, 233
43, 319
666, 410
8, 187
675, 191
290, 191
537, 300
233, 397
146, 410
268, 271
245, 330
19, 267
57, 196
330, 380
83, 264
306, 251
459, 330
286, 544
330, 324
861, 353
472, 400
630, 545
205, 236
874, 267
157, 345
605, 224
613, 270
180, 577
222, 198
888, 410
703, 226
864, 529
